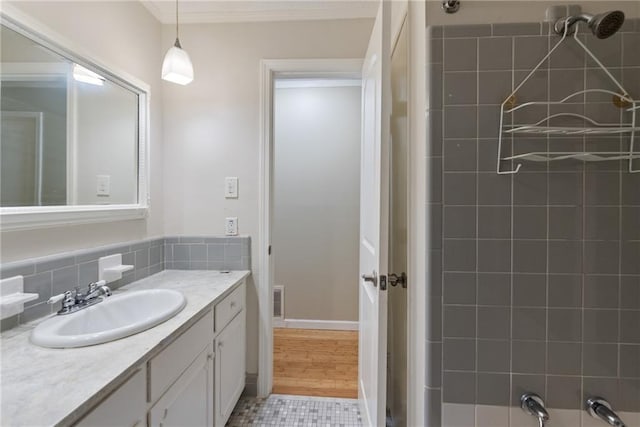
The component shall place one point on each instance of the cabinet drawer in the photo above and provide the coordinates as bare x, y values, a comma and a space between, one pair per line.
167, 366
231, 305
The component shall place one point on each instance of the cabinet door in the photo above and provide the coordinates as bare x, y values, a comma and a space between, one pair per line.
125, 407
189, 401
230, 367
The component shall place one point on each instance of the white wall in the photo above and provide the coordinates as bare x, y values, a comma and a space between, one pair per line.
316, 195
211, 127
126, 36
487, 12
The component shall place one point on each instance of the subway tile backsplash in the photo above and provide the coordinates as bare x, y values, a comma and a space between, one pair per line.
56, 274
539, 271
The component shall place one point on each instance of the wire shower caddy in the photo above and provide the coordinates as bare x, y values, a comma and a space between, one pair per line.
586, 125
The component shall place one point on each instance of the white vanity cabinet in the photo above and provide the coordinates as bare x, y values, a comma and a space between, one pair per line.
196, 380
230, 344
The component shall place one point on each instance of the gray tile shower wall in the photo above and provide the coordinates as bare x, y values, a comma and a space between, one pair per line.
55, 274
535, 277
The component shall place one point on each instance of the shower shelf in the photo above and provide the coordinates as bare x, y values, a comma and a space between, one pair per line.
569, 124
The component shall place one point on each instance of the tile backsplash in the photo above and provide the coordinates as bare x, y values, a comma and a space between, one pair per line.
56, 274
535, 279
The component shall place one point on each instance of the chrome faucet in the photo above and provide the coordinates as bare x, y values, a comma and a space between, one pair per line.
600, 408
96, 289
75, 300
533, 404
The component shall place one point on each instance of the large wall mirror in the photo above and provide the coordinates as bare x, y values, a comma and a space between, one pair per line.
73, 135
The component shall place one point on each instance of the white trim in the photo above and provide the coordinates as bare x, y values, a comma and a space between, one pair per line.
315, 83
261, 12
417, 227
315, 68
332, 325
17, 218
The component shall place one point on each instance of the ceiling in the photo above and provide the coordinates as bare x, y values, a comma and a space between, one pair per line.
208, 11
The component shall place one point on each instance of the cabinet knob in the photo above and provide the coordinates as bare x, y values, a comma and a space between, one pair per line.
233, 304
220, 344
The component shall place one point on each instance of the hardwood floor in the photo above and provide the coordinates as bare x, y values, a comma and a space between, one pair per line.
315, 362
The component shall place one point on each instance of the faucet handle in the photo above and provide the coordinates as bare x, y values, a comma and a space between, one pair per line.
57, 298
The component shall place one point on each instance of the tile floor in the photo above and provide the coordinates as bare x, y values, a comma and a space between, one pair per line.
289, 411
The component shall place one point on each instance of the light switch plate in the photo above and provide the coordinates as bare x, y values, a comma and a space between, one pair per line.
103, 185
231, 187
231, 226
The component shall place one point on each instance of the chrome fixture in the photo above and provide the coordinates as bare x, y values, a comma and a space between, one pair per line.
603, 25
597, 407
533, 404
177, 66
451, 6
75, 300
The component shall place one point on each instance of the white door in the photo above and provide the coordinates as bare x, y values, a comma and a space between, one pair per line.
374, 220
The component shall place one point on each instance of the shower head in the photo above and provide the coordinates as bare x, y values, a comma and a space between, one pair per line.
603, 25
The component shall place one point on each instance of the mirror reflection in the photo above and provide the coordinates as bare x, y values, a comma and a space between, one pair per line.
69, 135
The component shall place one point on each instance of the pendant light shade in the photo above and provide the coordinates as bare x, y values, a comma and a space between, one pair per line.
177, 66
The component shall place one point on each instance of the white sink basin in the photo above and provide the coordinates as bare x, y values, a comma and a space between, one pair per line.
116, 317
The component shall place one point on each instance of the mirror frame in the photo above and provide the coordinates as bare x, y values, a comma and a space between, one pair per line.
22, 218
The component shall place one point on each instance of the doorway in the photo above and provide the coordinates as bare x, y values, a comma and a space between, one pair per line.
315, 231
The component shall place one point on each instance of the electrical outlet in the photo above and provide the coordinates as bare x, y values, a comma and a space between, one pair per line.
231, 187
231, 226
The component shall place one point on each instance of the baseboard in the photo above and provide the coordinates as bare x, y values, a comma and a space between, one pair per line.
251, 385
335, 325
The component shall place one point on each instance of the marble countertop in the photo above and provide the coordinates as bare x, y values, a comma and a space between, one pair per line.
44, 387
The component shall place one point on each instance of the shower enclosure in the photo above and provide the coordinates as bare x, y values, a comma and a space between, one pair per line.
534, 206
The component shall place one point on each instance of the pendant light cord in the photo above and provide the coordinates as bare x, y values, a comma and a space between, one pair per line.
177, 43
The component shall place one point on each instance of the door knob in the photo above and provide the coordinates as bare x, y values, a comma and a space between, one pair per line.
372, 278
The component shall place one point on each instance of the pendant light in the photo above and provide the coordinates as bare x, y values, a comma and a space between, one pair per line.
177, 67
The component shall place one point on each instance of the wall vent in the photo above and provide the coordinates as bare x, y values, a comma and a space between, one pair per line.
278, 302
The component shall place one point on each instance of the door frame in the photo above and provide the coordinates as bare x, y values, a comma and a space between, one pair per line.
270, 69
416, 252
